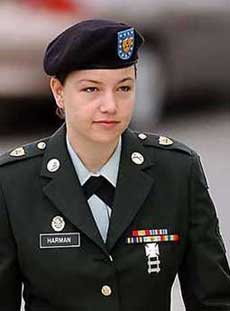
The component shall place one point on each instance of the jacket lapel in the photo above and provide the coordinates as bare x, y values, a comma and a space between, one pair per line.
64, 189
133, 186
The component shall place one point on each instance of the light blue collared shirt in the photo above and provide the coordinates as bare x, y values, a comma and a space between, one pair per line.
100, 211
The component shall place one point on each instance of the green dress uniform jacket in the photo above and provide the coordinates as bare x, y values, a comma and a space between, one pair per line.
163, 223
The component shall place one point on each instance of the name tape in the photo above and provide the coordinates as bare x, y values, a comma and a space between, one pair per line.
60, 240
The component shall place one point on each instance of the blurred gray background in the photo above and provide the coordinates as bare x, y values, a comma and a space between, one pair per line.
183, 77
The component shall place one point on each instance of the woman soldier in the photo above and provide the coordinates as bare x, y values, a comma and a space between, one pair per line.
98, 217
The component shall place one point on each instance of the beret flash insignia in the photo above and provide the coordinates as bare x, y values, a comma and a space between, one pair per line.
125, 43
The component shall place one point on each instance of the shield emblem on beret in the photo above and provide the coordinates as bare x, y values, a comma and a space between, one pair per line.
125, 43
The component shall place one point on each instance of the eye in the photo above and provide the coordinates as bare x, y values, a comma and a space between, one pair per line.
90, 89
124, 88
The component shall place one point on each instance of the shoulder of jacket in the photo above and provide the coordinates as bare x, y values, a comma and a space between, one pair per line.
163, 142
24, 152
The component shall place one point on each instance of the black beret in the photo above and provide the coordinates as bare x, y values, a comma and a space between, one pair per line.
93, 44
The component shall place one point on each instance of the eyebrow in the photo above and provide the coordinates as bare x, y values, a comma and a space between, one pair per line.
126, 79
98, 82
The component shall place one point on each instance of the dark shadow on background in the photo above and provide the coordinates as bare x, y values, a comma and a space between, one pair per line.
25, 116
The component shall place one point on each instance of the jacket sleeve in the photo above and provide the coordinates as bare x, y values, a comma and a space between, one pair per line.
10, 284
204, 273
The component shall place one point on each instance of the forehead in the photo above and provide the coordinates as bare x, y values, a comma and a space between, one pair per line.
103, 75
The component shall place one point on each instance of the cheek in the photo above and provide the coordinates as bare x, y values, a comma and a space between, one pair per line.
74, 105
128, 106
79, 114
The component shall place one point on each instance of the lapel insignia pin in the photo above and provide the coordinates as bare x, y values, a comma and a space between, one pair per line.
153, 254
53, 165
18, 152
137, 158
165, 141
58, 223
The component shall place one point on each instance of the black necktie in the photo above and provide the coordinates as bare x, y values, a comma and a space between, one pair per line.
101, 187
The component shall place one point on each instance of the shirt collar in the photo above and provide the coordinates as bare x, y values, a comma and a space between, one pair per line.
109, 170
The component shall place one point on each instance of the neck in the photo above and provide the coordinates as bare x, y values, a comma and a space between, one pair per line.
93, 156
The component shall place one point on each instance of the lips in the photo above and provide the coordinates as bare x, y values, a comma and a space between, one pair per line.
106, 122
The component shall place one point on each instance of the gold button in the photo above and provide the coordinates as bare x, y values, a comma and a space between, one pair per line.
106, 290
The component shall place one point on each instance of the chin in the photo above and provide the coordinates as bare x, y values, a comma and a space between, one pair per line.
106, 139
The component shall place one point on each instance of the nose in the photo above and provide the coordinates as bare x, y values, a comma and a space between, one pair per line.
108, 103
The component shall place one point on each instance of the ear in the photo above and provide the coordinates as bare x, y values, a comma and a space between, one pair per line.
57, 90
